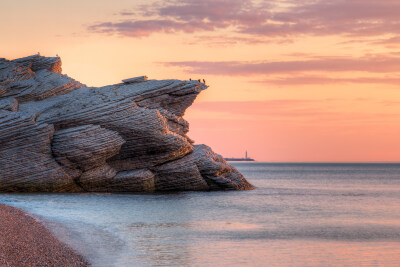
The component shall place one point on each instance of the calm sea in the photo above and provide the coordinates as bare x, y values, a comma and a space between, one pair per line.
298, 215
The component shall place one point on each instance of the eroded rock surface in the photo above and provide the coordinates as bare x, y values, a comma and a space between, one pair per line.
58, 135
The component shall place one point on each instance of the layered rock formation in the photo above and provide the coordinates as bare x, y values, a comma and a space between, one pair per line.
58, 135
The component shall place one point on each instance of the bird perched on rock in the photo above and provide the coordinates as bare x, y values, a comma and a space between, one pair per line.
190, 79
204, 81
199, 80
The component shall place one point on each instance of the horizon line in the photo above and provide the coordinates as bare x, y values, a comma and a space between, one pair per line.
349, 162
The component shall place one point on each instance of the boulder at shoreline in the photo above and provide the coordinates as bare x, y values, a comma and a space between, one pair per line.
59, 135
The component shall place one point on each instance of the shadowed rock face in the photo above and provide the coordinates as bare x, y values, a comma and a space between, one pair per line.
58, 135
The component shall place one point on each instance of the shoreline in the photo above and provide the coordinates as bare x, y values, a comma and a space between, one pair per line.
25, 241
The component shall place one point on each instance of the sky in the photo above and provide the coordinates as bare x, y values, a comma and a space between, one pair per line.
291, 81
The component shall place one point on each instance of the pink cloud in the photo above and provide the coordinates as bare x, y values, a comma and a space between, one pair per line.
372, 64
220, 12
348, 17
186, 16
316, 17
224, 40
389, 42
310, 80
142, 28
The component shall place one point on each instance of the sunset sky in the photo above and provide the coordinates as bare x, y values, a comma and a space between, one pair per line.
310, 80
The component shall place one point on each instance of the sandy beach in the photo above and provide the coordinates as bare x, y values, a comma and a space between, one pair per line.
26, 242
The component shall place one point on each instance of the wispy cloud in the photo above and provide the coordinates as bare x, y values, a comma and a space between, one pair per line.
266, 19
313, 79
127, 13
186, 16
372, 64
141, 28
224, 40
320, 17
389, 42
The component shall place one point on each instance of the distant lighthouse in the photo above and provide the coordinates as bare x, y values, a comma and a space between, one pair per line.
240, 159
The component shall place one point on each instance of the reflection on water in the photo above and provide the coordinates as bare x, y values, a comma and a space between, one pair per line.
299, 215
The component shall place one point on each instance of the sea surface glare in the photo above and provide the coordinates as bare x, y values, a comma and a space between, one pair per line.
298, 215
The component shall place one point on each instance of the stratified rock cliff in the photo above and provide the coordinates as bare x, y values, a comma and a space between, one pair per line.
58, 135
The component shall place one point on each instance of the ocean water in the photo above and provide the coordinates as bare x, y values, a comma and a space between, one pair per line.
298, 215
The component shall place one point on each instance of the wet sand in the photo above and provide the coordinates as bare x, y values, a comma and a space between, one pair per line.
26, 242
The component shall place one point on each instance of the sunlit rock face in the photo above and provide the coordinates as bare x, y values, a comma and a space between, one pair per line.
58, 135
